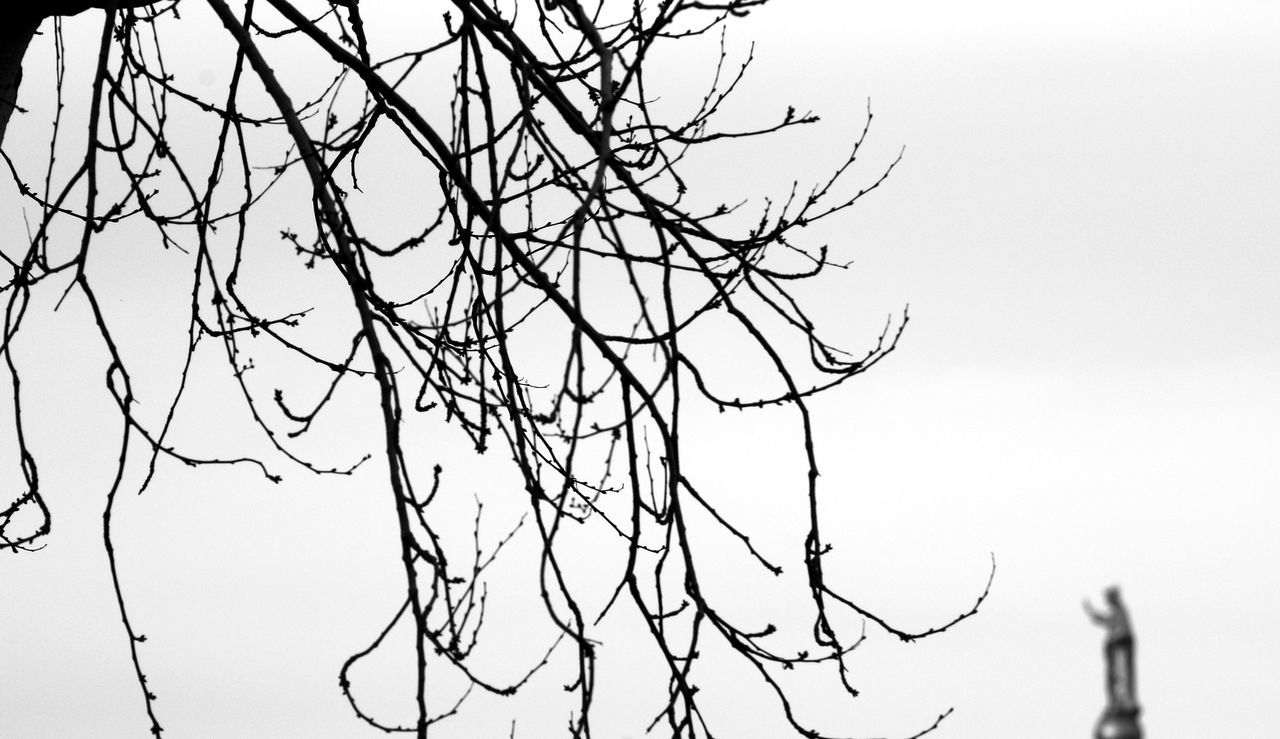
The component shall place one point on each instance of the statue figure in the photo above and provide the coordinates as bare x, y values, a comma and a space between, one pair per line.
1119, 719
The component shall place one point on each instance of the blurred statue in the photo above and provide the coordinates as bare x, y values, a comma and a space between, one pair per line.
1119, 719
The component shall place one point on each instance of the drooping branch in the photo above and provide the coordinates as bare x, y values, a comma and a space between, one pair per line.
554, 179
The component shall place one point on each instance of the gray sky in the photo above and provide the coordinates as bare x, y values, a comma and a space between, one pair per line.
1084, 226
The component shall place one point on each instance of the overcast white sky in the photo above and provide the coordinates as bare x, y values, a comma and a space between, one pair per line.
1085, 228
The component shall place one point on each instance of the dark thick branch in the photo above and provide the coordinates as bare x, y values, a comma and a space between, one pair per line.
14, 40
16, 32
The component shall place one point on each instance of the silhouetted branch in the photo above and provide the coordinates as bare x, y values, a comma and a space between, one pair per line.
553, 179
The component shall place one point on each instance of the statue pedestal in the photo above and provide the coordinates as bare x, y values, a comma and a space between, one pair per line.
1118, 726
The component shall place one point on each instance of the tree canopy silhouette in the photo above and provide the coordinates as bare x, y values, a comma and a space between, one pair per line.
559, 293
